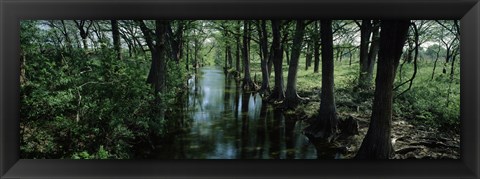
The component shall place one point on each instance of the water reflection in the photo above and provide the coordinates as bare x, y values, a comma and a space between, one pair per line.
225, 123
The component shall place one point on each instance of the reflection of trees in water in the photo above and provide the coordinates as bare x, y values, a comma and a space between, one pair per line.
172, 143
236, 116
301, 142
242, 128
245, 124
290, 137
226, 90
275, 134
261, 132
194, 95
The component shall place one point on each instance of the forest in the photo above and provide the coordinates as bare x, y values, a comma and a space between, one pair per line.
240, 89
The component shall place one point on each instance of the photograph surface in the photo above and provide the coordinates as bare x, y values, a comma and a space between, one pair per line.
240, 89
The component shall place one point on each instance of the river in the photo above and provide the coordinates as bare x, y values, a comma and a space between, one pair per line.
219, 121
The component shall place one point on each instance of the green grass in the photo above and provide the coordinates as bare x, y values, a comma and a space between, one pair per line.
430, 102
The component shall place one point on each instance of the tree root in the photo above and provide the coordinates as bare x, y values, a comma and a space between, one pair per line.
249, 86
292, 103
324, 127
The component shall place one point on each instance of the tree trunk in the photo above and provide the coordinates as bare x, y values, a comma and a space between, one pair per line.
176, 40
248, 84
308, 56
83, 32
350, 55
372, 55
339, 53
237, 55
270, 61
85, 43
229, 56
410, 50
447, 59
157, 73
291, 97
287, 53
149, 40
226, 59
435, 63
195, 55
130, 45
187, 57
325, 126
452, 66
263, 39
160, 32
116, 38
377, 143
66, 36
365, 31
316, 48
278, 93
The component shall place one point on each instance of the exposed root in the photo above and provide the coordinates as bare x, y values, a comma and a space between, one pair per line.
276, 96
249, 86
325, 127
292, 103
264, 92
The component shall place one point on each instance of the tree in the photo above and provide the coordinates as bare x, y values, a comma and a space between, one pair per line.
377, 143
28, 32
175, 39
197, 44
308, 54
248, 84
84, 30
156, 42
316, 47
62, 27
415, 67
228, 50
365, 32
116, 38
129, 33
99, 28
263, 39
373, 52
325, 126
198, 37
238, 49
278, 93
451, 43
291, 97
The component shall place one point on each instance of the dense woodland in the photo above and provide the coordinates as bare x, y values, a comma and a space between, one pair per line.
97, 89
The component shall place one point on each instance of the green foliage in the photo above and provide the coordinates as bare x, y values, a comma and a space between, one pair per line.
100, 154
87, 104
431, 102
74, 100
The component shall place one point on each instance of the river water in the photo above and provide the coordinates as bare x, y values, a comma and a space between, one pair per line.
219, 121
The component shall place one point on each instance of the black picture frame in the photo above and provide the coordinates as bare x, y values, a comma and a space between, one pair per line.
12, 11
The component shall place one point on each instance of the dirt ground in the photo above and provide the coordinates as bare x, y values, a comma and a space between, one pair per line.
409, 141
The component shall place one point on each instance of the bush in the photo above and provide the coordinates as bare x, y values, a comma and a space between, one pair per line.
430, 102
70, 106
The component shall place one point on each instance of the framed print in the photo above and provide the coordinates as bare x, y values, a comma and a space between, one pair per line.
243, 89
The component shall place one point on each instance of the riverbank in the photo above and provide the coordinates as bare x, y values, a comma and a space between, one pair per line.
413, 134
410, 139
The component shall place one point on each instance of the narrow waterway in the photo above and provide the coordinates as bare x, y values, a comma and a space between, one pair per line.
219, 121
